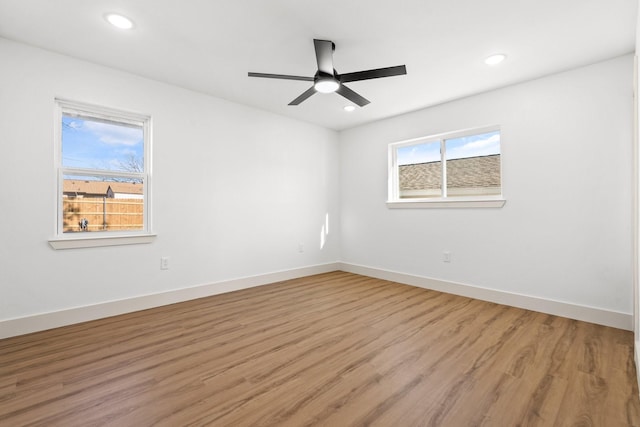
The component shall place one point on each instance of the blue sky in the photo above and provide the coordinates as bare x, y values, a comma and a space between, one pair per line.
457, 148
99, 145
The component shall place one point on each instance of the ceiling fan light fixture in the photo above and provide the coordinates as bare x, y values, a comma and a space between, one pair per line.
119, 21
495, 59
326, 85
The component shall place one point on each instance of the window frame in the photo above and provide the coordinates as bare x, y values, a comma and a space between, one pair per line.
444, 201
63, 240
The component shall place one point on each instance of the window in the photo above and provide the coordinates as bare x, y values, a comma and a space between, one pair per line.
454, 169
102, 159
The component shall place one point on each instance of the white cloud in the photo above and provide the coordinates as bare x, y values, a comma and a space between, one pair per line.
480, 147
481, 144
128, 152
114, 134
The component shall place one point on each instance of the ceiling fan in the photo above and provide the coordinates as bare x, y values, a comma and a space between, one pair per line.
327, 80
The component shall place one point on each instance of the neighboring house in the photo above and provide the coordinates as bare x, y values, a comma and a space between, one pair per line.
472, 176
110, 190
126, 190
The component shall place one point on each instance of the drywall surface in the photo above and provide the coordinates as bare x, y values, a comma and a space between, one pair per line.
565, 233
235, 190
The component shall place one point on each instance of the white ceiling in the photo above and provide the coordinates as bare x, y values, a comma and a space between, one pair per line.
209, 46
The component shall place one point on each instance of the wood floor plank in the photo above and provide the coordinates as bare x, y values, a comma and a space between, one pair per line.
334, 349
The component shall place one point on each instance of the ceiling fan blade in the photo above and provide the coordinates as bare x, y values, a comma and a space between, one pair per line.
306, 94
359, 100
373, 74
324, 56
281, 76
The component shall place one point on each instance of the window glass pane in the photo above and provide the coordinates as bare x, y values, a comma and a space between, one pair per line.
93, 143
100, 203
473, 165
419, 170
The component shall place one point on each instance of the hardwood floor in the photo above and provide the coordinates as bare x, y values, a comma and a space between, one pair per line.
335, 349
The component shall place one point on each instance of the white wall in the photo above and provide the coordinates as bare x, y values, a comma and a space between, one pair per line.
261, 184
636, 206
565, 233
235, 190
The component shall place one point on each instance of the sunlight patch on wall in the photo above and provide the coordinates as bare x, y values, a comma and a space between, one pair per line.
324, 231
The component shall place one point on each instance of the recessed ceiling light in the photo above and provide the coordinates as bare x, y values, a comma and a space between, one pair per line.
495, 59
119, 21
349, 108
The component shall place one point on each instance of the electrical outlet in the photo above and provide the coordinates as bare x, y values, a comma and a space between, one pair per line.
300, 247
446, 256
164, 263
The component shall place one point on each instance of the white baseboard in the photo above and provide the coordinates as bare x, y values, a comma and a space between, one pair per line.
572, 311
43, 321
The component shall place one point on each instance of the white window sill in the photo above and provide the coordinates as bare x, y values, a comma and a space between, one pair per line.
445, 203
98, 241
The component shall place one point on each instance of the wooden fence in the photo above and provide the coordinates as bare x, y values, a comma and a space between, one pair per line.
102, 214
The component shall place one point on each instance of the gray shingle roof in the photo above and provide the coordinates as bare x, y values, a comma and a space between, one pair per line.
471, 172
72, 186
